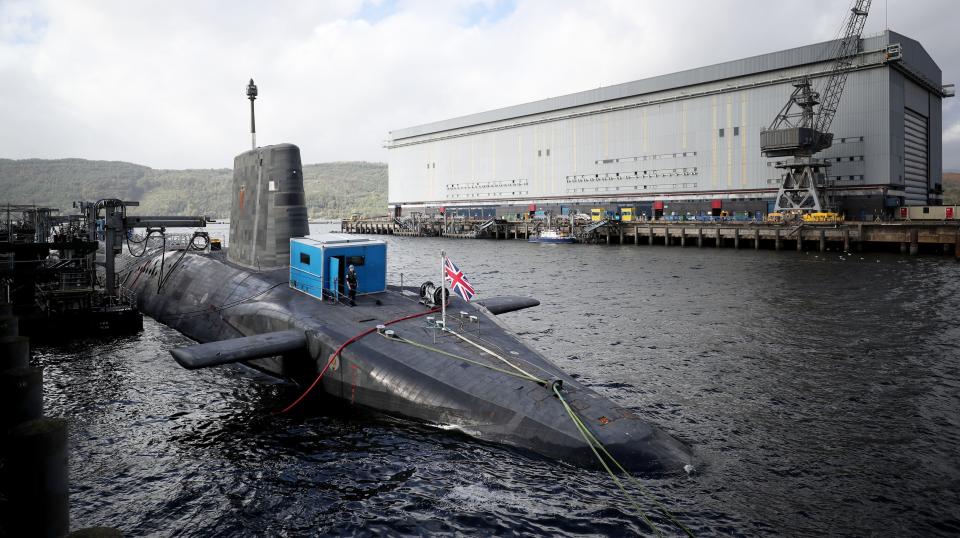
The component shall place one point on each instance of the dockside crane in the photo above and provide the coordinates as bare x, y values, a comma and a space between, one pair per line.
799, 132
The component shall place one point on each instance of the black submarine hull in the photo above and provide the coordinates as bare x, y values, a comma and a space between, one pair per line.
210, 299
240, 306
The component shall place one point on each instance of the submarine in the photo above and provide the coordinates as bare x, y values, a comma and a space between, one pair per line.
272, 300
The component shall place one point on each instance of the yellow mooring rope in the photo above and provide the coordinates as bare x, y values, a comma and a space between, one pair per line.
595, 445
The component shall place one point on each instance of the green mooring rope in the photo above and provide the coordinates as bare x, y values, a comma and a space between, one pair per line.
595, 445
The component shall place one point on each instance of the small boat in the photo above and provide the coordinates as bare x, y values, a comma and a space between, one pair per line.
552, 236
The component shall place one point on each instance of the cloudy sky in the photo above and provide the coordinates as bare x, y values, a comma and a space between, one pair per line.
162, 83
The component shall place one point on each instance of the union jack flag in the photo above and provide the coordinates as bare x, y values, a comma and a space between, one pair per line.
458, 282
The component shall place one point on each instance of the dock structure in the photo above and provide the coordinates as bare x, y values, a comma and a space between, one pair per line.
910, 238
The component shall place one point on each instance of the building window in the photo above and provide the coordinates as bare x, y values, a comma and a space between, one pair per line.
721, 133
548, 153
926, 210
539, 153
736, 131
304, 258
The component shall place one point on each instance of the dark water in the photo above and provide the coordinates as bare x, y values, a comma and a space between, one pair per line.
821, 393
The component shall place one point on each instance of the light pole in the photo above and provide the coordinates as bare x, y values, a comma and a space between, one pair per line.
252, 95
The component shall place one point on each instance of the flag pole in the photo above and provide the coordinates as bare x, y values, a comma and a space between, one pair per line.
443, 292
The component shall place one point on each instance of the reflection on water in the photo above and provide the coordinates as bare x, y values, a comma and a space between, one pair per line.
820, 391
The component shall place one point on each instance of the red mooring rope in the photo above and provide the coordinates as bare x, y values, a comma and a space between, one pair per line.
341, 348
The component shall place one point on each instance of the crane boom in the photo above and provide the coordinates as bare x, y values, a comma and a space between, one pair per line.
843, 61
800, 132
804, 132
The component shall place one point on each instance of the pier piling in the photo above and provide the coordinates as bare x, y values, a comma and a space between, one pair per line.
37, 477
21, 395
14, 352
9, 326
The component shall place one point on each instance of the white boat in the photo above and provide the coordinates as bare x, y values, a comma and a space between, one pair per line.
552, 236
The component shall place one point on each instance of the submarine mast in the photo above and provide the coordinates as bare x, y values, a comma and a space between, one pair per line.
252, 95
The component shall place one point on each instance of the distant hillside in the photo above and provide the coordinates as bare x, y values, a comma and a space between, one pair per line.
951, 188
334, 190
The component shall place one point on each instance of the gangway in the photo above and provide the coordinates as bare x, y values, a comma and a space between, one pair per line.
796, 229
596, 226
486, 225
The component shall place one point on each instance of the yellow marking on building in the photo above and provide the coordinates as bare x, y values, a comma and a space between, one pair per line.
520, 154
643, 129
728, 134
716, 142
683, 126
743, 139
606, 136
573, 123
493, 155
553, 166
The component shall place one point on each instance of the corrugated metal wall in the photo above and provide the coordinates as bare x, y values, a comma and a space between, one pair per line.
696, 141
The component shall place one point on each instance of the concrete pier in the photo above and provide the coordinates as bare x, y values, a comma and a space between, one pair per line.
911, 237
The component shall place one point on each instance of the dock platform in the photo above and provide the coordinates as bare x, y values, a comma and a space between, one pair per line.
907, 237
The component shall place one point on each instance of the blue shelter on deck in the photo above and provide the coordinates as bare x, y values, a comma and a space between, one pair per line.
318, 264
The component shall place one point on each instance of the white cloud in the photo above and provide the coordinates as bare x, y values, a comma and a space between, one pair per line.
162, 83
951, 134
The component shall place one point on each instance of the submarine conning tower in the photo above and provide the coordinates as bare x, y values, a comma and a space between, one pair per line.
268, 206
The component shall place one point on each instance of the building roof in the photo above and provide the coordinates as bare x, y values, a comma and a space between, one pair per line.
914, 55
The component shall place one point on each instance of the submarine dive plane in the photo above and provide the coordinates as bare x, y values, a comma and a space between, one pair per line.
272, 300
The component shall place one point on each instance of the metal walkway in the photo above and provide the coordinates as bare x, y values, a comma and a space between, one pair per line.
596, 226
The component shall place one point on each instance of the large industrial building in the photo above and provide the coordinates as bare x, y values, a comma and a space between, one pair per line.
687, 142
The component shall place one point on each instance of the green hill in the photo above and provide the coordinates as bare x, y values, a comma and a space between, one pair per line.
334, 190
